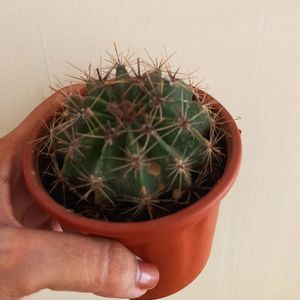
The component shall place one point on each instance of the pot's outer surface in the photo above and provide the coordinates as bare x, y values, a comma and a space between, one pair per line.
178, 244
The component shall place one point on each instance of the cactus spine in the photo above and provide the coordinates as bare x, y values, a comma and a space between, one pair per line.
136, 144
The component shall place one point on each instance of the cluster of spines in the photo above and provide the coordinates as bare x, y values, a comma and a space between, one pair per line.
127, 112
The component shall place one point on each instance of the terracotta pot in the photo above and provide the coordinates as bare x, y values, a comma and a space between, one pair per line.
178, 244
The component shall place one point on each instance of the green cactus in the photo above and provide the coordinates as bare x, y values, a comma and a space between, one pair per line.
134, 143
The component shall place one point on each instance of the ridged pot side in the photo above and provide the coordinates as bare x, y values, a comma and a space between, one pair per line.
179, 243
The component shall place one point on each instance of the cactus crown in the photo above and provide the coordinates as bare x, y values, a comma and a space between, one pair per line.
137, 145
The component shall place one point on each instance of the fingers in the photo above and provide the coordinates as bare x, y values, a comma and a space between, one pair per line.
59, 261
16, 205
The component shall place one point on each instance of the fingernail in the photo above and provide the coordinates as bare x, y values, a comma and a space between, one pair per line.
147, 275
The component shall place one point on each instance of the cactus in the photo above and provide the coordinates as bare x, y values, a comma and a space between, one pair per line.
136, 144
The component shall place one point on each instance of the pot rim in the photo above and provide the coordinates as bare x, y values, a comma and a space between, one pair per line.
155, 227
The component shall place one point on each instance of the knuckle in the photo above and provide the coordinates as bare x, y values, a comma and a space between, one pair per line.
102, 275
114, 273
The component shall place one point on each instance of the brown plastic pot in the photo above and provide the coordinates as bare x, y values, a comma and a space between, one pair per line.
178, 244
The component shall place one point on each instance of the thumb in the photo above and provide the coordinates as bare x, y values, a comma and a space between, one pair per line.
62, 261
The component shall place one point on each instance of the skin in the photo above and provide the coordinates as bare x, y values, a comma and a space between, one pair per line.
35, 254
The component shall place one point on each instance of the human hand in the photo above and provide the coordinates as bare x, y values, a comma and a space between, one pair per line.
33, 258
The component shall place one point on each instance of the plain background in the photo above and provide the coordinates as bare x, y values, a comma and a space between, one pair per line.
248, 53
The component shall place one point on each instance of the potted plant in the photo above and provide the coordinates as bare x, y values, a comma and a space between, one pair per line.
138, 156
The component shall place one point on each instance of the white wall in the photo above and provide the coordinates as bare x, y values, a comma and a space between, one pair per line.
248, 53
